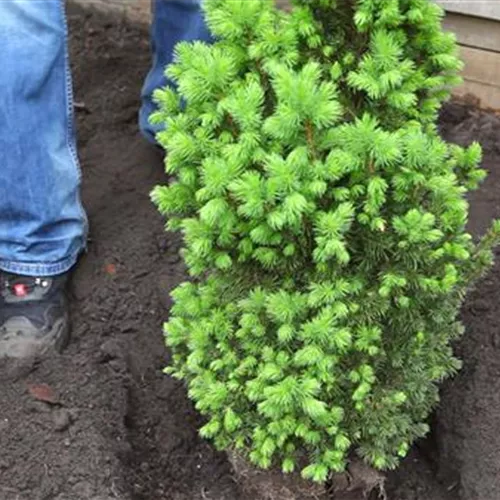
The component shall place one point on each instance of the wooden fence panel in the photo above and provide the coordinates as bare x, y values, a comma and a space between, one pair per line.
489, 9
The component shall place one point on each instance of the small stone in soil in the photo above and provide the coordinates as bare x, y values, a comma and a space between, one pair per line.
83, 489
38, 407
4, 424
74, 414
111, 349
62, 420
118, 365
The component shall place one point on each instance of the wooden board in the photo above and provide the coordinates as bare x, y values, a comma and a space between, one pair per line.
474, 32
482, 76
487, 97
489, 9
481, 66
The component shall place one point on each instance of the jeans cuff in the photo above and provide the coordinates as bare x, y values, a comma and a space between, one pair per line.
40, 269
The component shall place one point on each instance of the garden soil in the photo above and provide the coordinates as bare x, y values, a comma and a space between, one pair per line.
101, 421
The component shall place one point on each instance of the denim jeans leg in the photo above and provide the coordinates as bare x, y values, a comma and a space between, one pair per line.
173, 21
42, 223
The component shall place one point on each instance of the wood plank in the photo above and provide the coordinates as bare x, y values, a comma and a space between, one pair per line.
481, 66
489, 9
481, 76
474, 31
488, 97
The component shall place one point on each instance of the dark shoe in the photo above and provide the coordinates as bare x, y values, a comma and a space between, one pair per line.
34, 317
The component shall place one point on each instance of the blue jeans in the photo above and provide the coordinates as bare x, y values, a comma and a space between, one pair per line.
42, 223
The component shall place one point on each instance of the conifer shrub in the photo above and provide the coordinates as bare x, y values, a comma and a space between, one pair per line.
324, 225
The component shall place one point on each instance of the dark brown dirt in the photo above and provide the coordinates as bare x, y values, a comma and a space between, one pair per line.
468, 420
121, 429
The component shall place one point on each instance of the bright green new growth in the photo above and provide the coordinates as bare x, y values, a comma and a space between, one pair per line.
324, 227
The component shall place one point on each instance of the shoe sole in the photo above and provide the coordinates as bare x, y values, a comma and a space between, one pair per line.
24, 341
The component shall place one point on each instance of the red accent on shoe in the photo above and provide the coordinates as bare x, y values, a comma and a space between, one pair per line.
20, 290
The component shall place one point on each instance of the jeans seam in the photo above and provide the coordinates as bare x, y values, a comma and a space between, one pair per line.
70, 120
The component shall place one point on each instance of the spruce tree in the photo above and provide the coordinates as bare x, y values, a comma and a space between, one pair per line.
324, 225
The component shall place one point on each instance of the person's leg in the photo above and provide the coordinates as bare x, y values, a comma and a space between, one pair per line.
42, 223
173, 21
